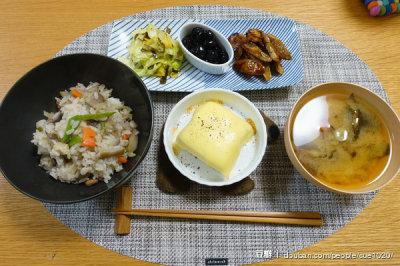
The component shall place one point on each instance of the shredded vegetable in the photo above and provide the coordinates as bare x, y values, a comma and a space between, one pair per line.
153, 52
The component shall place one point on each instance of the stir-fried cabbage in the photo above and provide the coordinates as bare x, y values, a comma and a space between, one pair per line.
153, 52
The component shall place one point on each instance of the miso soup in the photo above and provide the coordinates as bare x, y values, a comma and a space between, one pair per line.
340, 140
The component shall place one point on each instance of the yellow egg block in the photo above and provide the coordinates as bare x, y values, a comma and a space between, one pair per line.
215, 135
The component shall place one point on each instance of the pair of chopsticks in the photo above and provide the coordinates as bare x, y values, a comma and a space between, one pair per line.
299, 218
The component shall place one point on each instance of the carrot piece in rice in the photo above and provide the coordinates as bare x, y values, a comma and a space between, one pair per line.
87, 139
76, 93
122, 159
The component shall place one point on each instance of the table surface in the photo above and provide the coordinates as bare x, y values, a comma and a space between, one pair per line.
34, 31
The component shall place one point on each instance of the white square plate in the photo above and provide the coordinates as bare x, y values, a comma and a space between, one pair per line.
191, 79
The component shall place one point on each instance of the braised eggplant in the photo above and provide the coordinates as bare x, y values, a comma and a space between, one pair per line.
249, 66
256, 51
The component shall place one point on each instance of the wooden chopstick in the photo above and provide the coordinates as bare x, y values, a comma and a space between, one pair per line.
300, 215
300, 218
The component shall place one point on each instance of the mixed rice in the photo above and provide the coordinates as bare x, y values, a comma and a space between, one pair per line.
69, 153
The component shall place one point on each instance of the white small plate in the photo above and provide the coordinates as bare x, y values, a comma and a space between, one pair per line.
192, 167
216, 69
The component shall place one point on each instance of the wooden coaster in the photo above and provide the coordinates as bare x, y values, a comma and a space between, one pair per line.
242, 187
272, 129
170, 180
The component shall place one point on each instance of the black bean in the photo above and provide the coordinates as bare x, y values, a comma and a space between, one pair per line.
208, 35
223, 57
201, 37
211, 44
212, 56
196, 31
187, 42
193, 50
201, 52
202, 44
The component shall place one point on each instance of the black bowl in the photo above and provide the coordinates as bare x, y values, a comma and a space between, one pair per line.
23, 106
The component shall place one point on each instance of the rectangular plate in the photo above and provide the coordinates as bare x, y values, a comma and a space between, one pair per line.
192, 79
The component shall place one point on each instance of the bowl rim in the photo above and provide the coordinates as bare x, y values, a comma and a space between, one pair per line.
292, 156
131, 171
171, 156
219, 36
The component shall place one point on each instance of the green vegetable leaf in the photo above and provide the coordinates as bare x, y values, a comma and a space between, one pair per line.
74, 140
75, 121
97, 116
73, 124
